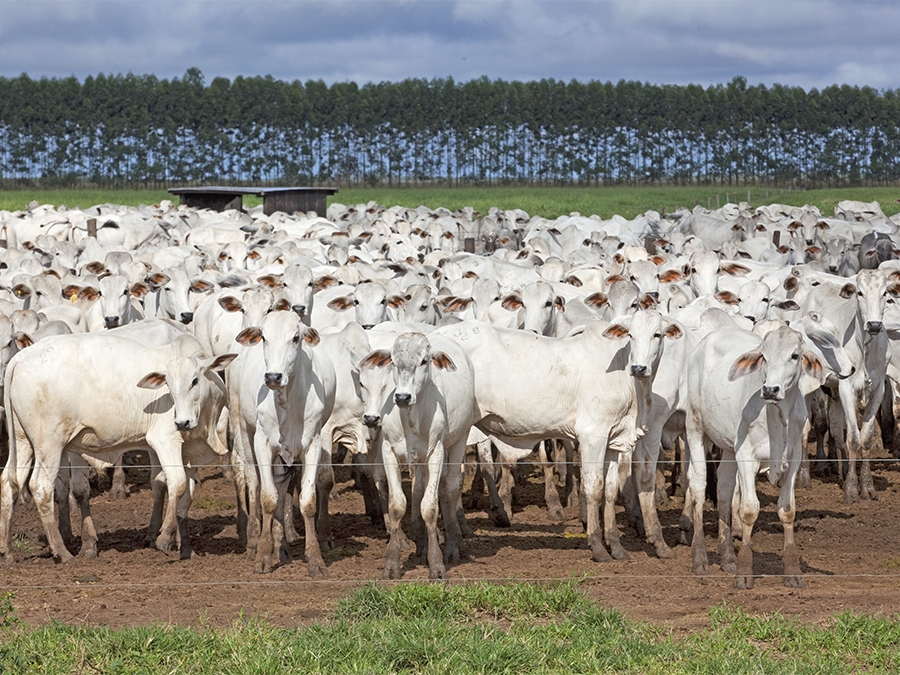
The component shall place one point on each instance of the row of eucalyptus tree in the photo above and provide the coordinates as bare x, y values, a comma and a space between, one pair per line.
142, 130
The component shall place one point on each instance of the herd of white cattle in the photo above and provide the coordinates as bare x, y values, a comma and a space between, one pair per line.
267, 343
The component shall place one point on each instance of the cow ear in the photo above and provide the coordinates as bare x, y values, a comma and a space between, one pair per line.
270, 281
139, 289
670, 276
597, 299
573, 281
560, 303
282, 305
95, 267
746, 364
614, 278
21, 290
512, 302
311, 336
894, 276
220, 363
657, 260
157, 280
396, 301
87, 293
673, 331
894, 289
377, 359
249, 336
734, 269
230, 303
152, 381
813, 367
341, 304
616, 332
69, 291
822, 225
458, 304
848, 290
201, 286
787, 305
648, 301
325, 281
790, 284
727, 298
442, 361
23, 340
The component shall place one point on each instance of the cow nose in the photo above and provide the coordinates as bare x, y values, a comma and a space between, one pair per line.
770, 393
809, 242
299, 310
111, 321
187, 317
182, 425
752, 318
368, 326
874, 327
402, 399
273, 379
832, 269
639, 371
371, 421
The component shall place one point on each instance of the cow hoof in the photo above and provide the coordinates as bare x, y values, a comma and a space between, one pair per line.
391, 570
317, 569
851, 497
794, 582
437, 572
451, 554
163, 543
64, 557
556, 514
598, 550
617, 552
326, 544
88, 553
729, 567
701, 570
743, 582
499, 518
663, 551
187, 553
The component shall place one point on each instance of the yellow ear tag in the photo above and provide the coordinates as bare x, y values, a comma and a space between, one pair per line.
73, 297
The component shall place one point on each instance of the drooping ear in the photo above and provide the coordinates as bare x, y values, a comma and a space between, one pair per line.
894, 276
648, 301
813, 367
746, 364
230, 303
657, 260
560, 303
616, 332
727, 298
311, 336
342, 303
220, 363
23, 340
458, 304
848, 290
95, 267
270, 281
670, 276
139, 289
69, 291
377, 359
597, 299
21, 290
396, 301
442, 361
249, 336
615, 278
894, 289
573, 281
152, 381
734, 269
673, 331
201, 286
791, 284
512, 302
325, 281
281, 305
470, 275
822, 225
157, 280
787, 305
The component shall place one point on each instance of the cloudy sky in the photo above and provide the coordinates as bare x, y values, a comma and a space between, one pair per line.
808, 43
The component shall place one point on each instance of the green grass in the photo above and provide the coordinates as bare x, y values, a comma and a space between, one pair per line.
474, 628
549, 202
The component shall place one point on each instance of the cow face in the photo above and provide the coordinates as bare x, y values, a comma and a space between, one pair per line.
412, 358
648, 330
872, 292
281, 334
297, 288
781, 357
376, 386
540, 302
253, 304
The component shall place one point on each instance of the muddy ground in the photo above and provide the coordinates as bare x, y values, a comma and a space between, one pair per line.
850, 558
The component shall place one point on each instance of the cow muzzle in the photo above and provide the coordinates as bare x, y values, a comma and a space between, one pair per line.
111, 321
372, 421
299, 310
771, 393
874, 327
403, 400
639, 371
187, 317
274, 380
183, 425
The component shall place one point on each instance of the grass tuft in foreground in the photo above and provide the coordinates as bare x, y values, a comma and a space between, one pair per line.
476, 628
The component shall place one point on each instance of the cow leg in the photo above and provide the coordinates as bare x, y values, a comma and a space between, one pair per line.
867, 437
613, 467
572, 489
747, 469
417, 525
593, 452
324, 486
695, 446
43, 478
61, 496
787, 511
429, 510
499, 513
117, 489
803, 478
725, 491
848, 405
240, 490
314, 560
895, 408
551, 494
396, 509
167, 445
368, 486
184, 504
451, 507
81, 490
264, 451
246, 487
291, 476
158, 488
507, 481
646, 459
632, 504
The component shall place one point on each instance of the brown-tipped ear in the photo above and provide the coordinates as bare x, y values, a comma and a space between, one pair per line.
249, 336
673, 330
614, 278
894, 289
512, 302
158, 279
597, 299
253, 255
746, 364
52, 273
69, 291
95, 267
341, 304
813, 367
670, 276
573, 281
458, 304
848, 290
201, 286
647, 301
894, 276
790, 284
813, 250
230, 303
88, 293
270, 281
560, 303
281, 305
311, 336
442, 361
377, 359
21, 290
616, 332
787, 305
734, 269
470, 275
795, 225
822, 225
220, 363
139, 289
23, 340
727, 297
152, 381
396, 301
619, 258
325, 281
657, 260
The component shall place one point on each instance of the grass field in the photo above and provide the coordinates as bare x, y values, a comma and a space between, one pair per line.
475, 628
547, 202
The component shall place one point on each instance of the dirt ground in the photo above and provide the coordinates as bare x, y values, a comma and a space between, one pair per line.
850, 558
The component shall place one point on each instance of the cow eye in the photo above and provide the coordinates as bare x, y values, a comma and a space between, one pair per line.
795, 356
549, 303
859, 293
195, 382
765, 300
657, 335
425, 360
355, 302
296, 339
423, 308
633, 305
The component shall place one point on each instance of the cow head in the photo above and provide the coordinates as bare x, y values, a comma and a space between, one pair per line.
282, 334
781, 357
412, 358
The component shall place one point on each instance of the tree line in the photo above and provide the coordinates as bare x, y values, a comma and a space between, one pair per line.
139, 130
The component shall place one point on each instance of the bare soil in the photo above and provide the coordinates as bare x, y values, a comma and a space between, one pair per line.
850, 559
